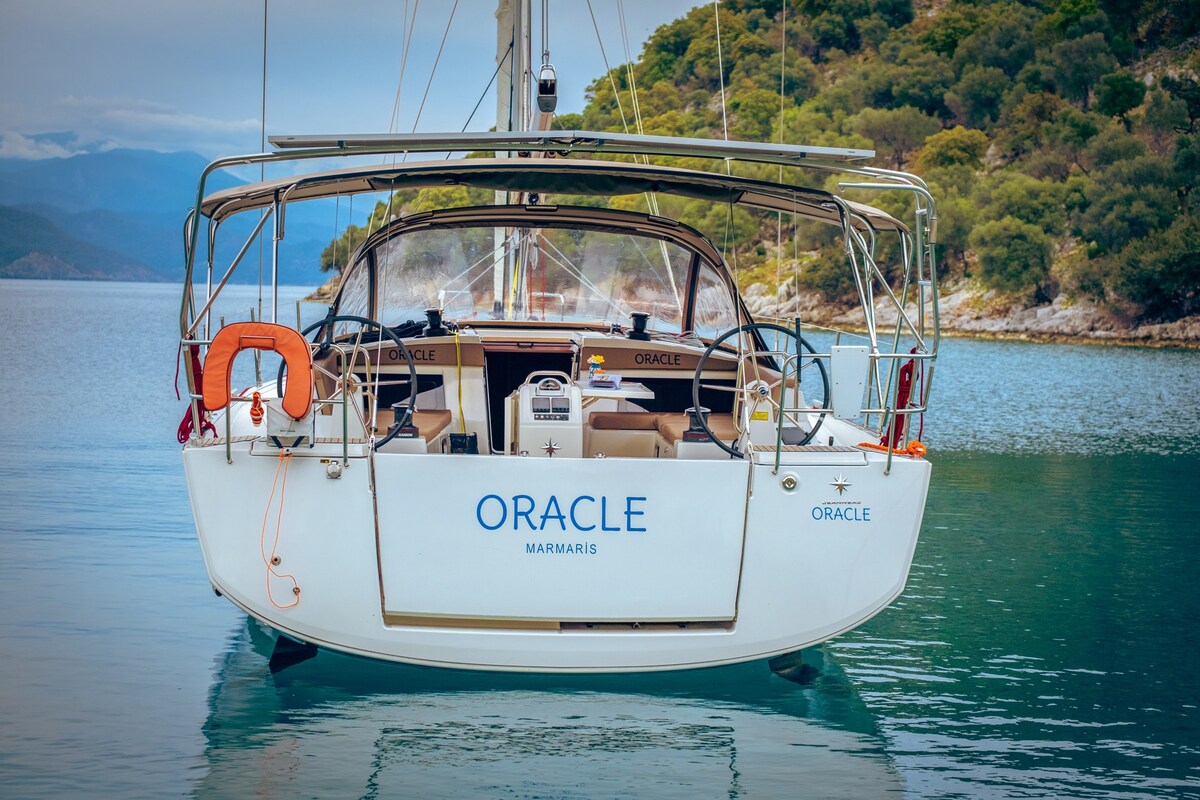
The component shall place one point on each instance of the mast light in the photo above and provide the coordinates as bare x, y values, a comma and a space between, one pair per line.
547, 89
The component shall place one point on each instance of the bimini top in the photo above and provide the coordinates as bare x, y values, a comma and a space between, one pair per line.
552, 175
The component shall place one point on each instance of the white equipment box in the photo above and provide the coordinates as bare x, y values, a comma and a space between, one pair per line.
548, 416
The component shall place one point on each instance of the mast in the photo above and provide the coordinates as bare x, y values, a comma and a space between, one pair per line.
512, 113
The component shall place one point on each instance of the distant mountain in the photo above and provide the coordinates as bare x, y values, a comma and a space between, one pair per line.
129, 205
125, 181
32, 246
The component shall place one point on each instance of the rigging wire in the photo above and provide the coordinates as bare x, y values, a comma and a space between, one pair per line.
487, 88
262, 167
725, 129
651, 197
633, 95
607, 69
779, 215
433, 69
406, 33
721, 72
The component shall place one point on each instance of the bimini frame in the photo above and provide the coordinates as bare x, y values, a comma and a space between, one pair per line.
549, 168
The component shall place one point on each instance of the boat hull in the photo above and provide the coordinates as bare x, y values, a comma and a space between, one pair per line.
556, 565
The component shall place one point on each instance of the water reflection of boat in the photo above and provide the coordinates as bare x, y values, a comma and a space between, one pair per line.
341, 726
589, 457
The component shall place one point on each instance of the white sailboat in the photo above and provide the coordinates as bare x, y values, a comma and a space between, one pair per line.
589, 457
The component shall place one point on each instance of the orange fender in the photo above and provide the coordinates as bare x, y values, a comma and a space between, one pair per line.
239, 336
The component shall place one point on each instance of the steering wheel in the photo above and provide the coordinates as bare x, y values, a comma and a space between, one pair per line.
756, 390
326, 343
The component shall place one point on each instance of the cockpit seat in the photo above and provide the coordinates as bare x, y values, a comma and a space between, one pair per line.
672, 426
624, 420
430, 424
626, 434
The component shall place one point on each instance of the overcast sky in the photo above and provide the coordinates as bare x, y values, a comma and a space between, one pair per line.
175, 75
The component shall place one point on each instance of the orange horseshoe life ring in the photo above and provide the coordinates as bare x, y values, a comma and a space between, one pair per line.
239, 336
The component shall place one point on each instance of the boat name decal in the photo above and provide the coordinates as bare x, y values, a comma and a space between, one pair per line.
844, 511
417, 353
580, 514
659, 359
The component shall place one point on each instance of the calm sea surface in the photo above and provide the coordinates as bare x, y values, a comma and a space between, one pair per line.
1046, 645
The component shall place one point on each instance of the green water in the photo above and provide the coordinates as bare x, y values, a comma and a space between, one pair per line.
1045, 645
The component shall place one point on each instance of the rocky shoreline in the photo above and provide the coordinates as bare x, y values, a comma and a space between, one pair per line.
966, 311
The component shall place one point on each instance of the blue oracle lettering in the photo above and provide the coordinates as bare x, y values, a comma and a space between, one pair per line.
604, 515
557, 514
574, 521
526, 513
503, 512
842, 514
630, 514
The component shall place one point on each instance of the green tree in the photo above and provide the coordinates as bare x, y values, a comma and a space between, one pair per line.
895, 132
1162, 273
832, 23
701, 62
667, 46
1188, 90
919, 79
337, 254
809, 125
1013, 256
1118, 94
1006, 42
1071, 132
1118, 213
1024, 124
1078, 64
567, 122
1185, 165
754, 113
829, 274
958, 216
1067, 16
953, 25
1033, 201
954, 146
432, 198
976, 98
895, 13
1165, 116
1112, 144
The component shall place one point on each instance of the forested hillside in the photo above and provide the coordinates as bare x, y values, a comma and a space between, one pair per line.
1060, 138
32, 246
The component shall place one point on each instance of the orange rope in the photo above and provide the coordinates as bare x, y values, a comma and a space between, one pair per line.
270, 561
915, 449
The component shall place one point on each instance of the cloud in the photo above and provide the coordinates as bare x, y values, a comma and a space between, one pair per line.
101, 123
16, 145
